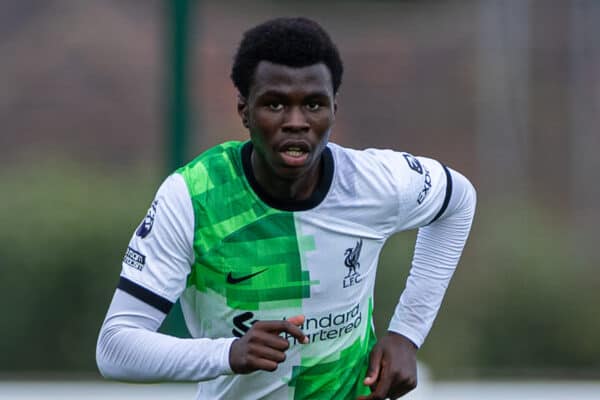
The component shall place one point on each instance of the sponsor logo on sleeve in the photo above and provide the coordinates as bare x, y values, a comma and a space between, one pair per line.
426, 188
134, 259
413, 163
148, 221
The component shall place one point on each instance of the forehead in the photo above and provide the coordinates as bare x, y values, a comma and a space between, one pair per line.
276, 77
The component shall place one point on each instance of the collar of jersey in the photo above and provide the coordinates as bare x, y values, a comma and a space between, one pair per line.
314, 200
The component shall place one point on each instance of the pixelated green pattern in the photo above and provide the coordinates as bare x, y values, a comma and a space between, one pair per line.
339, 379
235, 232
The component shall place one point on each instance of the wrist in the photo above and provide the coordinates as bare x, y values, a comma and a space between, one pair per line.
233, 366
402, 340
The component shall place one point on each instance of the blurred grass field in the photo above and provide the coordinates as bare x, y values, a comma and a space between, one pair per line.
522, 303
430, 391
504, 91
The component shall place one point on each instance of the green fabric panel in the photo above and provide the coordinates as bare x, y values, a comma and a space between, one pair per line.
338, 379
235, 232
196, 174
244, 252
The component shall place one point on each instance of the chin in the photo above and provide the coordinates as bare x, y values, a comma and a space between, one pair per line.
291, 173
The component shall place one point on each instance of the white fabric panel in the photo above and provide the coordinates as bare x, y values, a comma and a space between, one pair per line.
130, 349
167, 247
437, 252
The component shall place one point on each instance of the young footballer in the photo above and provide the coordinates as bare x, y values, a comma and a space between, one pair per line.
272, 246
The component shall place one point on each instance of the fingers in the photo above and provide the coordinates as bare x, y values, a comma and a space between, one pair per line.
257, 350
392, 368
381, 387
289, 326
374, 365
377, 376
266, 358
268, 339
262, 347
297, 319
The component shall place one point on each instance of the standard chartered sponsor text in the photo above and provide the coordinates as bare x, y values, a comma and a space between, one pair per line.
330, 326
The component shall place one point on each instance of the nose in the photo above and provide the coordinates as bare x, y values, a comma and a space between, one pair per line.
295, 120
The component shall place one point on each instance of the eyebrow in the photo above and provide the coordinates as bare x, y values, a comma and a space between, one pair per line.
277, 93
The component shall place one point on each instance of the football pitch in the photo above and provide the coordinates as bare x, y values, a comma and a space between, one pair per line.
96, 390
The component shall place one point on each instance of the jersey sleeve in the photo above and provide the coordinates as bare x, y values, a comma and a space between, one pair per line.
424, 188
130, 349
437, 252
159, 256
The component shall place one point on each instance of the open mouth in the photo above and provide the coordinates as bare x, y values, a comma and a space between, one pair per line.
294, 155
294, 152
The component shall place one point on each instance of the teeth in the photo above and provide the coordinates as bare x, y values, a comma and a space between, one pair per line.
294, 151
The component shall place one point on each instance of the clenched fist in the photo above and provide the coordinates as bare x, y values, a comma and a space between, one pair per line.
261, 348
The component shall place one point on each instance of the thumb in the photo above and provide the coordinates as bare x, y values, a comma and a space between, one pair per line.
374, 365
296, 320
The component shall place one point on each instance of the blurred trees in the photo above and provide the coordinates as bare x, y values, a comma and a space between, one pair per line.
523, 299
504, 91
63, 230
521, 303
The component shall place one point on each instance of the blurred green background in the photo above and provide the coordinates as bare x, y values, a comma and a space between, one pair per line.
507, 92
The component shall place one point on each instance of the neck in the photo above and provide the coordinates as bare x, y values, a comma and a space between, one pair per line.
286, 189
299, 194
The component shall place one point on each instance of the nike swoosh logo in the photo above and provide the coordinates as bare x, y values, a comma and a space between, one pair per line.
232, 280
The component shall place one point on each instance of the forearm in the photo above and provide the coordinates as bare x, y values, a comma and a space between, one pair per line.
130, 349
437, 252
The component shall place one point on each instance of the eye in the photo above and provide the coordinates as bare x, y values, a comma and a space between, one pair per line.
313, 106
275, 106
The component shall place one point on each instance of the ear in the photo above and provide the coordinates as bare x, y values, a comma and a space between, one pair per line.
335, 103
242, 109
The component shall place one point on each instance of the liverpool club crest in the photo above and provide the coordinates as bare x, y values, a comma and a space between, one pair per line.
351, 262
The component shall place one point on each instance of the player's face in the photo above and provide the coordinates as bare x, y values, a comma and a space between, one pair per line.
289, 113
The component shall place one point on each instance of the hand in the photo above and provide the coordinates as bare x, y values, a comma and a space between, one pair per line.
262, 347
392, 368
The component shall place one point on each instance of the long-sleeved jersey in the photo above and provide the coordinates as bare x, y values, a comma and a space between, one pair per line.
234, 255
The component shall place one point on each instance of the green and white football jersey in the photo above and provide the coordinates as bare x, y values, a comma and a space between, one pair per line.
233, 255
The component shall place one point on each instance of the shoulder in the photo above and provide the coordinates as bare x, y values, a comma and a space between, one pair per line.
171, 207
412, 188
216, 165
381, 165
367, 185
362, 161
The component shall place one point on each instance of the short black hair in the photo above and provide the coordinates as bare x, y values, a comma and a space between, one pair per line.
293, 42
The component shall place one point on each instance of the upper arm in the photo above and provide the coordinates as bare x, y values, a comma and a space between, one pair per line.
423, 189
160, 253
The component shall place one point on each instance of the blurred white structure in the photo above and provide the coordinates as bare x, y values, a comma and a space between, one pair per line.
424, 386
516, 391
427, 390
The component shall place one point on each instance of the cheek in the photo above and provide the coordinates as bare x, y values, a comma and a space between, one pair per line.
324, 123
265, 122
